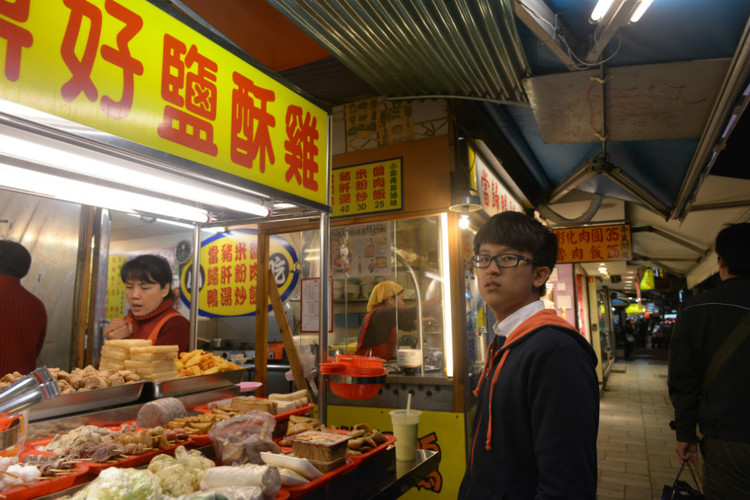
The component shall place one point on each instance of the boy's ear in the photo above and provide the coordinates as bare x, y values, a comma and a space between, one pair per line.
541, 274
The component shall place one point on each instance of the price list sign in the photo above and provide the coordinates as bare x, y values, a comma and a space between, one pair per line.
591, 244
367, 188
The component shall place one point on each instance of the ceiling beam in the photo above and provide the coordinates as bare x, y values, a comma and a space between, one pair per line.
549, 29
669, 236
710, 142
616, 17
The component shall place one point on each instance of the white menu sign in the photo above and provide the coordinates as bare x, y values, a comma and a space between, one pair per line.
492, 194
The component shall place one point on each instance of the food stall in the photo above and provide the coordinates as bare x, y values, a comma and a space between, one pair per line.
94, 120
392, 223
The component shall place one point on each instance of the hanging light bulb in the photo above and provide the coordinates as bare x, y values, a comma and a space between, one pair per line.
463, 221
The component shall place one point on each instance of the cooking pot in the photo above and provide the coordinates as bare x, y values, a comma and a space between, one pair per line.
409, 358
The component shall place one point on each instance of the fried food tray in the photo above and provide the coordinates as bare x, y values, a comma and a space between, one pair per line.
82, 401
191, 385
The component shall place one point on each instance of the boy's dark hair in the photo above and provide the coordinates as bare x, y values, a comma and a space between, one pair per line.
15, 260
733, 245
149, 269
523, 234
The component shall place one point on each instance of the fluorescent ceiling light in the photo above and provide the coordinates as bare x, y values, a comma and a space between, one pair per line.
638, 13
600, 10
132, 175
147, 220
445, 271
60, 188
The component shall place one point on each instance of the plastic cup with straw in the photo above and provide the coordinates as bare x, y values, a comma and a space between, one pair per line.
405, 425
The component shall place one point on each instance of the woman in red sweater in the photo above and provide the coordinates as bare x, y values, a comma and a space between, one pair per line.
23, 319
148, 287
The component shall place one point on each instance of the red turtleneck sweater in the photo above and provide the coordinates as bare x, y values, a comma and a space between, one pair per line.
23, 325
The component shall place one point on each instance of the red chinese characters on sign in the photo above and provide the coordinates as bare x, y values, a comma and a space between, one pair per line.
251, 121
493, 196
231, 274
189, 86
86, 17
301, 150
17, 38
589, 244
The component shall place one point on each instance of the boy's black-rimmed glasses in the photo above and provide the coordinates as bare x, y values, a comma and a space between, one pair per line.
503, 260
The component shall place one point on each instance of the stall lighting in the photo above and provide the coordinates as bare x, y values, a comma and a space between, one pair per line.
602, 7
463, 221
446, 278
132, 175
217, 229
639, 11
60, 188
600, 10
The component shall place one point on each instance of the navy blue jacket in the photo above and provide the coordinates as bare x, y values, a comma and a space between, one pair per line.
544, 417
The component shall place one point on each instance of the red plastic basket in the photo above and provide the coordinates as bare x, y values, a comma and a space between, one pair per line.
355, 391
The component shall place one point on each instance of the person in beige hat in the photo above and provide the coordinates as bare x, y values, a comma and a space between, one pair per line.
386, 313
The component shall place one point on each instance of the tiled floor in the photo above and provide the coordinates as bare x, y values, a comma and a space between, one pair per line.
636, 446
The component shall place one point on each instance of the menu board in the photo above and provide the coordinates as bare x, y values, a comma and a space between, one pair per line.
363, 249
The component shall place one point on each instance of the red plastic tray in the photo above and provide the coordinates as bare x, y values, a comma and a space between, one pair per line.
202, 439
362, 457
127, 461
43, 487
136, 460
304, 489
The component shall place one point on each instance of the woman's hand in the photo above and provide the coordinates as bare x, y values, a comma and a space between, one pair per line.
118, 328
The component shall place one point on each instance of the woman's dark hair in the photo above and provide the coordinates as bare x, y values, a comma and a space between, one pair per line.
523, 234
733, 245
149, 269
15, 260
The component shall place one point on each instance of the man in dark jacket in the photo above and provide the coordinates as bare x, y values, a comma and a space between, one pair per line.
534, 433
722, 409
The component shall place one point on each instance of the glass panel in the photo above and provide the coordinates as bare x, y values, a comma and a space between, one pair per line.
363, 256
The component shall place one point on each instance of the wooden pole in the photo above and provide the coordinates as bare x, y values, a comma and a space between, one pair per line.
286, 335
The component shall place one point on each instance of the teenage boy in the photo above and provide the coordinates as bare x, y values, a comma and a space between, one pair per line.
537, 416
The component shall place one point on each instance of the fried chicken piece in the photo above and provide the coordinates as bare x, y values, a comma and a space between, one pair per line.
95, 382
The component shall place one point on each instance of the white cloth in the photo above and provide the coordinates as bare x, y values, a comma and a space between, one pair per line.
506, 326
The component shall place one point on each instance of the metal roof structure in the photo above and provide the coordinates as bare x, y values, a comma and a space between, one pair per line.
644, 120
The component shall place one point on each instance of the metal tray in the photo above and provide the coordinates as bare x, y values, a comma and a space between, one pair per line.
199, 383
78, 402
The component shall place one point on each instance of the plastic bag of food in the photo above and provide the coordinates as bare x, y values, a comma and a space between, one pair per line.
227, 493
239, 440
265, 477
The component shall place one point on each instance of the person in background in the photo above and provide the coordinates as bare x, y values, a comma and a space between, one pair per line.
629, 339
722, 408
537, 416
148, 283
386, 313
23, 319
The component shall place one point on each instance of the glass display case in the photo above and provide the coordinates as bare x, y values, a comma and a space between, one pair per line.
408, 252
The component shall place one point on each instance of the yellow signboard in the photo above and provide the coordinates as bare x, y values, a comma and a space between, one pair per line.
594, 244
229, 273
134, 71
115, 288
367, 188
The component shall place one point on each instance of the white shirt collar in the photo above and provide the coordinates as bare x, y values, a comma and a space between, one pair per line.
506, 326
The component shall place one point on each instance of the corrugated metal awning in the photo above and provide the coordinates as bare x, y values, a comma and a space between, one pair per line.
462, 48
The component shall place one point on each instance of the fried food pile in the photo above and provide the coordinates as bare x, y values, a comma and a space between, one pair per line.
199, 362
81, 379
